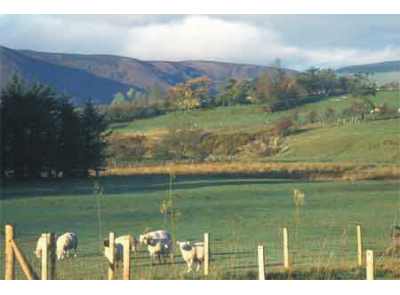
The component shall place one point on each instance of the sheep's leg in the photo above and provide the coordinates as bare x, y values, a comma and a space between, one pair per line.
189, 265
152, 259
198, 265
159, 258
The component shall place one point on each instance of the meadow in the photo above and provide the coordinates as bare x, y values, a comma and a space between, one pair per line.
239, 213
241, 117
349, 174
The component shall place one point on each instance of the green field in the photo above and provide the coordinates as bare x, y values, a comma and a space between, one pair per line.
366, 142
241, 117
238, 212
369, 141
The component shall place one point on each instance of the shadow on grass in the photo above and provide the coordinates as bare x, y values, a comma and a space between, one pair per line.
113, 185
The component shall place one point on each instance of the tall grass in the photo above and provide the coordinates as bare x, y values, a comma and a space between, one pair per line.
315, 171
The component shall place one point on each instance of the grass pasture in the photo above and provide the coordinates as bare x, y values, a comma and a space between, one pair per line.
241, 117
239, 213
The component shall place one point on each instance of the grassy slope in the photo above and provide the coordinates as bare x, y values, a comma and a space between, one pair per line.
238, 212
376, 141
244, 117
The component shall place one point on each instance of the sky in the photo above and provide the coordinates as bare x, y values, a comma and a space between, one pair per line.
299, 41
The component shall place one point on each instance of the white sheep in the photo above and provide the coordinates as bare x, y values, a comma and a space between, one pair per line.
65, 244
133, 241
159, 243
192, 253
40, 244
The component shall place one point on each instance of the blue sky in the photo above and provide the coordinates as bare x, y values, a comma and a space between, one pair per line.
299, 41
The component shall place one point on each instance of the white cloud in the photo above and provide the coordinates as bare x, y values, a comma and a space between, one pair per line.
201, 37
244, 39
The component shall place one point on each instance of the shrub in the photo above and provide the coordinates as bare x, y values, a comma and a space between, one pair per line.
123, 149
357, 109
312, 117
283, 127
181, 144
330, 114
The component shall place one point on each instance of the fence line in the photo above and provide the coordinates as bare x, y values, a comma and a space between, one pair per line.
232, 258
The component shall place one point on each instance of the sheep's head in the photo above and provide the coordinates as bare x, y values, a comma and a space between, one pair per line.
135, 244
38, 253
186, 245
142, 239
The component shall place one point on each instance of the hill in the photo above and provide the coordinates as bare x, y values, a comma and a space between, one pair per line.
381, 73
370, 141
101, 76
75, 82
388, 66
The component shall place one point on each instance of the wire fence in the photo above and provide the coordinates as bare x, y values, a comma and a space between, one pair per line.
229, 258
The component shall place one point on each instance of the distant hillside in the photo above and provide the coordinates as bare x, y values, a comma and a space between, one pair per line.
101, 76
381, 73
77, 83
383, 67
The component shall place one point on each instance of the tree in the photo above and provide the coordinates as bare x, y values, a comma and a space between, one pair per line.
93, 136
28, 136
234, 92
118, 98
265, 90
130, 94
362, 86
191, 94
154, 93
322, 82
42, 131
68, 139
310, 81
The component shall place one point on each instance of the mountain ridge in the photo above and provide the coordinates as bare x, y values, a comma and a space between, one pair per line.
100, 76
380, 67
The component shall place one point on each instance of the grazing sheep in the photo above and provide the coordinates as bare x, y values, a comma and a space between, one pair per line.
192, 253
134, 242
65, 244
119, 253
41, 242
159, 243
155, 235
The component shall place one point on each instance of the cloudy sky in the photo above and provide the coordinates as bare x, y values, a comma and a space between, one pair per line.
299, 41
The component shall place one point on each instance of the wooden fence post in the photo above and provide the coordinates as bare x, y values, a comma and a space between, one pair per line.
23, 262
111, 258
45, 255
206, 253
9, 253
261, 262
53, 257
285, 248
370, 264
127, 259
359, 246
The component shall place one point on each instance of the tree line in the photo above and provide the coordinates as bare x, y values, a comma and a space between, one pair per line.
277, 89
44, 134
